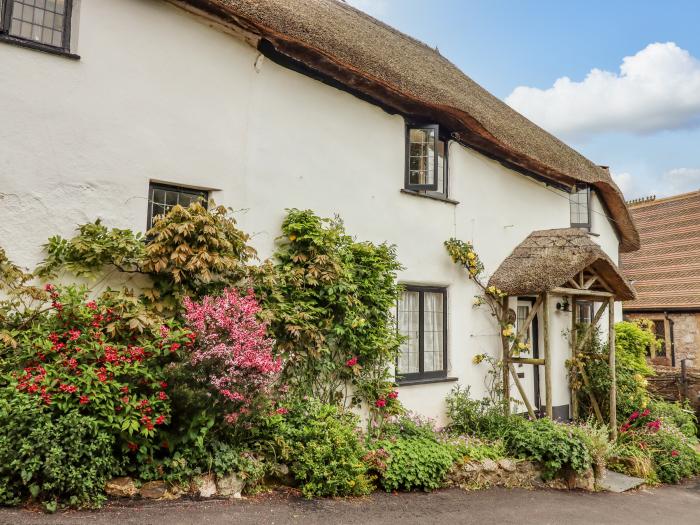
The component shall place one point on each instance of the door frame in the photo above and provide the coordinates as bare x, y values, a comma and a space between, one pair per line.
535, 340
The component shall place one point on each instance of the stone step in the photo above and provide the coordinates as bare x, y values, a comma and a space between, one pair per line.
616, 482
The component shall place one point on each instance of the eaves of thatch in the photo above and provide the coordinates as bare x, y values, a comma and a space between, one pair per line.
369, 58
549, 259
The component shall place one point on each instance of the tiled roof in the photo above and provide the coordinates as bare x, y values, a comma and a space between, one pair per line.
666, 269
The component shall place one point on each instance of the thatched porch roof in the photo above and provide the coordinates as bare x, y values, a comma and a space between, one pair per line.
548, 259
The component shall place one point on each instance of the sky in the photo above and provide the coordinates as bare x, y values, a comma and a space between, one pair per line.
618, 80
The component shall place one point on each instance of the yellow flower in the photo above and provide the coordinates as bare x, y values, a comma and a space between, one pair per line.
638, 378
478, 358
471, 255
508, 331
292, 237
523, 346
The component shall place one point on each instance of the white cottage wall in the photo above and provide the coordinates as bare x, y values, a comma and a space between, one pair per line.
159, 96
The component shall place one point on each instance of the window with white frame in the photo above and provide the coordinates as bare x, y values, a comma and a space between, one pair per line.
422, 320
41, 22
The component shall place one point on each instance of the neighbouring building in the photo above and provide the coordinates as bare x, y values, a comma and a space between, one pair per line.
666, 274
119, 109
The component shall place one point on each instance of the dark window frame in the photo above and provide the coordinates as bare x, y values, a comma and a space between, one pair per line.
63, 49
437, 194
422, 374
204, 194
582, 225
407, 171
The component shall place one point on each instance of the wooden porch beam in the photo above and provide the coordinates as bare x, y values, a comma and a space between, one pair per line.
590, 282
591, 327
573, 291
523, 395
527, 361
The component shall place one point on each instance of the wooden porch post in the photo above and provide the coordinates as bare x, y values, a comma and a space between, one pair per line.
505, 363
574, 343
613, 375
547, 355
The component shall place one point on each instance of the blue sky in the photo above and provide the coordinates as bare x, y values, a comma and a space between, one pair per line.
631, 96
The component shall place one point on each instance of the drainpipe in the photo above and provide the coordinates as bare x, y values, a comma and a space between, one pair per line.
673, 345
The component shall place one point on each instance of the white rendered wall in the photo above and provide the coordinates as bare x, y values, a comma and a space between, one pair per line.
176, 101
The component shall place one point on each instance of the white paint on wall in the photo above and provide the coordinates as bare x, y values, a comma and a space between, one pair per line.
179, 102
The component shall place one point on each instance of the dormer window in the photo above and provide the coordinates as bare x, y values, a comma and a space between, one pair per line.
43, 23
580, 207
426, 160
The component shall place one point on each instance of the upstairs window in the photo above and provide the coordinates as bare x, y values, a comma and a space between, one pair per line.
426, 160
42, 22
163, 197
422, 320
580, 207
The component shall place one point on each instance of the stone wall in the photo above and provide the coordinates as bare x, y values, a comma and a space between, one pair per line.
686, 334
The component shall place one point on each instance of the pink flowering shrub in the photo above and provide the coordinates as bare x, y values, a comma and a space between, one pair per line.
232, 354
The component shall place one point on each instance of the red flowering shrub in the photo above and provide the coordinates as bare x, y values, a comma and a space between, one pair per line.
668, 450
232, 354
103, 358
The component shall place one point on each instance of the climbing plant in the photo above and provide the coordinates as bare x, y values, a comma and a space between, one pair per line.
191, 251
329, 305
463, 254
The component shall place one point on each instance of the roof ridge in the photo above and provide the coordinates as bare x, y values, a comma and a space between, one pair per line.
645, 203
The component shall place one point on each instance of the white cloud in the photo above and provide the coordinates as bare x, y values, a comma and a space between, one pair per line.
656, 89
627, 184
672, 182
681, 180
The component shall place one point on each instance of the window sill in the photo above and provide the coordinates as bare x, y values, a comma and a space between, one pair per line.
426, 381
426, 196
37, 46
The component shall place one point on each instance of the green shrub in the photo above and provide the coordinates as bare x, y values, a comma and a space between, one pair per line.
414, 463
553, 445
669, 450
632, 340
324, 451
679, 414
466, 449
55, 460
102, 358
329, 299
473, 417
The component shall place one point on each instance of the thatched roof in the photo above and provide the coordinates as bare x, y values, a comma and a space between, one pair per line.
547, 259
370, 58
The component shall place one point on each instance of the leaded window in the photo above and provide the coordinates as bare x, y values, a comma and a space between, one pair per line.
422, 320
45, 22
422, 158
163, 197
580, 208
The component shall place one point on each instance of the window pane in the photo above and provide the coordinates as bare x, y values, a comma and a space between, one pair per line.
171, 198
164, 198
579, 206
421, 156
433, 332
442, 171
408, 320
39, 21
523, 312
